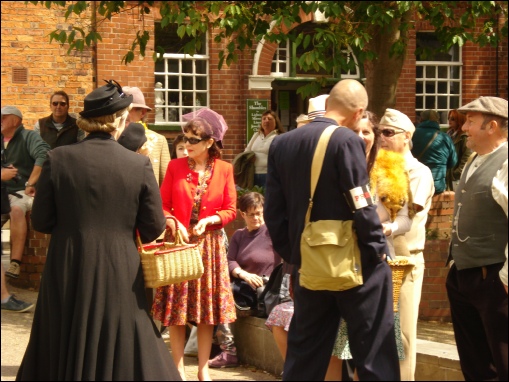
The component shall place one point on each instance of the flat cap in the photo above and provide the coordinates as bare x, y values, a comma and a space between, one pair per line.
7, 110
395, 118
487, 105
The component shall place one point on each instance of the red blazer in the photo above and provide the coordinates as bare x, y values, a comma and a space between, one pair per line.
179, 187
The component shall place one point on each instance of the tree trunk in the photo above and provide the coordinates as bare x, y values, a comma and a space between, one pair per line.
383, 72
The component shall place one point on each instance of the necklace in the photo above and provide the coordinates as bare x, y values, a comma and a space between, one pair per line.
203, 183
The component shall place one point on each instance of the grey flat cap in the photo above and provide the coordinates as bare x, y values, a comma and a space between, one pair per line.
487, 105
6, 110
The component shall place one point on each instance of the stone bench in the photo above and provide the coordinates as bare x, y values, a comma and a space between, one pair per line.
256, 346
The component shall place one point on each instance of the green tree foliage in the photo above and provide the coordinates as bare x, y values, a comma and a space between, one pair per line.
377, 31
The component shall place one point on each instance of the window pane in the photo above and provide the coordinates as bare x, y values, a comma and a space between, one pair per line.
419, 87
201, 83
273, 67
443, 71
201, 66
173, 66
187, 66
174, 82
187, 83
455, 88
455, 72
430, 87
418, 71
430, 102
419, 103
174, 98
454, 102
442, 87
430, 72
442, 102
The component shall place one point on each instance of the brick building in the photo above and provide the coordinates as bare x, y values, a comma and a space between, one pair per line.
32, 68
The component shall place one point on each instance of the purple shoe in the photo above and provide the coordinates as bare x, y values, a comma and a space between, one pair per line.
222, 360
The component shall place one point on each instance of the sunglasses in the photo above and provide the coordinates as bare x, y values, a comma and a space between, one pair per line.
59, 103
193, 141
390, 132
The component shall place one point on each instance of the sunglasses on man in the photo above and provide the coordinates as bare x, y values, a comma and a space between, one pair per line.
194, 141
61, 103
388, 133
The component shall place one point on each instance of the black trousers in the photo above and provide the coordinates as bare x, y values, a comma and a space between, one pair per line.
479, 317
367, 309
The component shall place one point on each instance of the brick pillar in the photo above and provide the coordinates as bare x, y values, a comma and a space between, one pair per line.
34, 258
434, 302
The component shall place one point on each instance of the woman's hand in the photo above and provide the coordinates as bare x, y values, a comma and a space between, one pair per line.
170, 225
199, 228
253, 280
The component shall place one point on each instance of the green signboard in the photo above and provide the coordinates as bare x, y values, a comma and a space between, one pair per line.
255, 109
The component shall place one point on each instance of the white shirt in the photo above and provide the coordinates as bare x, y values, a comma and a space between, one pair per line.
259, 144
498, 189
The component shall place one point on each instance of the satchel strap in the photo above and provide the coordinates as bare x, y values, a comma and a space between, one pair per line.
427, 146
316, 166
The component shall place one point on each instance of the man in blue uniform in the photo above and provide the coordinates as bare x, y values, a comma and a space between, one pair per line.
368, 308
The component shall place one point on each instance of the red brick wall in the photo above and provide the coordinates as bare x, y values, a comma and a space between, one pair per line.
25, 44
434, 302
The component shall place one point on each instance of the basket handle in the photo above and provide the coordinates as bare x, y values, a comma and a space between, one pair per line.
178, 236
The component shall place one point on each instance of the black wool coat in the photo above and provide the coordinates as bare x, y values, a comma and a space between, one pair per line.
91, 319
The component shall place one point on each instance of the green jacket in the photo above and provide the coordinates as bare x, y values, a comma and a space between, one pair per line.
25, 150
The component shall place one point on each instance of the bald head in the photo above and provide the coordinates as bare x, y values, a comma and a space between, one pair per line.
347, 102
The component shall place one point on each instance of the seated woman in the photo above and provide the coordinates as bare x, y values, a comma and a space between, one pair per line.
250, 256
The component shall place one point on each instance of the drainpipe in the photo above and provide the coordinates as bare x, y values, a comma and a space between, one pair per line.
94, 46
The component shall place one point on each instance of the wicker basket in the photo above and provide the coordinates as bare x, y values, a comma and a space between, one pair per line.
399, 268
170, 263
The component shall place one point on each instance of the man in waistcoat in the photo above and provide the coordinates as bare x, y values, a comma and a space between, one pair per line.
477, 279
59, 128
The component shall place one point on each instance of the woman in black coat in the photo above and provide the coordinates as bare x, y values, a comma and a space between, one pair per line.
91, 320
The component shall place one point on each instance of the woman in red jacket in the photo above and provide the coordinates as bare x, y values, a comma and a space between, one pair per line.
199, 191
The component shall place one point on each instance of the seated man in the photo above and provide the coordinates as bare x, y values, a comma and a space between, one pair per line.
59, 128
23, 153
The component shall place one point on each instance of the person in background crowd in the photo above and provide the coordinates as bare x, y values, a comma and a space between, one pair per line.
23, 153
316, 108
477, 279
344, 175
459, 139
91, 320
260, 143
434, 148
156, 146
397, 136
179, 149
133, 137
9, 302
199, 191
59, 128
250, 256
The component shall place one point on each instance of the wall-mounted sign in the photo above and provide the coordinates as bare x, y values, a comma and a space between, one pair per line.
255, 109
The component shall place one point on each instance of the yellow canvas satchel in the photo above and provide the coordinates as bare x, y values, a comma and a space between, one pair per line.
330, 255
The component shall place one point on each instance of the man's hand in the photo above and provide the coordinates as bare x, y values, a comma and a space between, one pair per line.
9, 172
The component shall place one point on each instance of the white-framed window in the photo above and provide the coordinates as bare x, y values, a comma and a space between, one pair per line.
181, 80
284, 61
281, 60
438, 78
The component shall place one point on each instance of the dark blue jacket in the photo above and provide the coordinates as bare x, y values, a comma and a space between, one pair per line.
288, 190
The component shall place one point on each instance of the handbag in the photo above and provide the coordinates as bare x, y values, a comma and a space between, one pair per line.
169, 263
330, 255
277, 290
